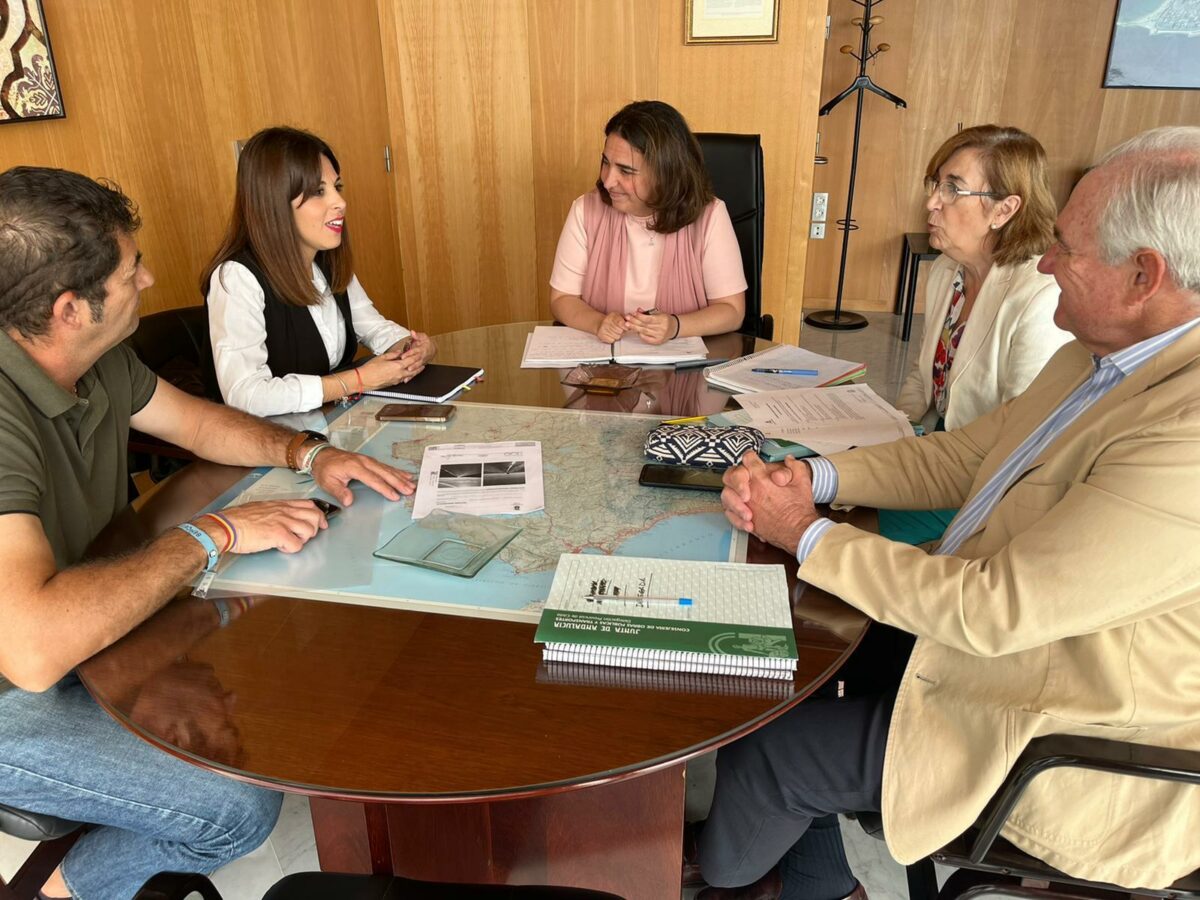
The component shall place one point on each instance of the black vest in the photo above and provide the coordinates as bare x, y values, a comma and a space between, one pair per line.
294, 345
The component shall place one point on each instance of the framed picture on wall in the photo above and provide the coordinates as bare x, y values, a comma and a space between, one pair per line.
28, 79
731, 21
1155, 44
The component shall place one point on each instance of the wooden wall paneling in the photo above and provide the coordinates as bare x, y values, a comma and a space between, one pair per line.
788, 325
753, 88
945, 81
156, 93
1127, 113
457, 76
316, 66
878, 175
1035, 65
1053, 87
586, 60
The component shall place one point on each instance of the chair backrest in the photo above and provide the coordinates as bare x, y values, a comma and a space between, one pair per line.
174, 344
735, 164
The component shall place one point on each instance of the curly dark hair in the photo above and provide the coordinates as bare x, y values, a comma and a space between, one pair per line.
682, 188
58, 232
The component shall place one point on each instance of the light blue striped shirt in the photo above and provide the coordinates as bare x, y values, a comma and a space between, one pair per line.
1108, 372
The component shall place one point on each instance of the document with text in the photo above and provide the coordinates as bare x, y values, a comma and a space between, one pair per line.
481, 479
825, 420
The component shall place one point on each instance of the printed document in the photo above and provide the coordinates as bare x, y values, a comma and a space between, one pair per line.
481, 479
825, 420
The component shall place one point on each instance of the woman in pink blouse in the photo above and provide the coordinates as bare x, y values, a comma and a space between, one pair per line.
650, 251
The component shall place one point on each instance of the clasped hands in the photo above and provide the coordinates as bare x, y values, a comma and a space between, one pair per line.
772, 501
651, 327
400, 363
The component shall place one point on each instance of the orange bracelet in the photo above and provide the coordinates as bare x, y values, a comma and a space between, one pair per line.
226, 527
360, 384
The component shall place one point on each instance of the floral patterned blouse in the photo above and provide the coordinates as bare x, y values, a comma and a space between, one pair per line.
943, 357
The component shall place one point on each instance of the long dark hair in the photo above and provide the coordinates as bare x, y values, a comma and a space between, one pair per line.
276, 166
682, 188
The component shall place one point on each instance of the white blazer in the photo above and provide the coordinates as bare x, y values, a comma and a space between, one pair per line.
1007, 340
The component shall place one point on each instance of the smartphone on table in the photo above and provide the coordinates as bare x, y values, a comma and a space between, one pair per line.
415, 412
658, 475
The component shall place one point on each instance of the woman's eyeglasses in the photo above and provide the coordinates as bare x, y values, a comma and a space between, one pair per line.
949, 192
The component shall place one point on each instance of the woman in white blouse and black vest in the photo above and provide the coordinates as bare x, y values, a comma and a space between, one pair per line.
286, 312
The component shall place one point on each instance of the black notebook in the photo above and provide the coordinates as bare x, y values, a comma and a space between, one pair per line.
435, 384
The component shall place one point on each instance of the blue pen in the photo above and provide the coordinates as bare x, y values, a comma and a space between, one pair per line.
810, 372
638, 601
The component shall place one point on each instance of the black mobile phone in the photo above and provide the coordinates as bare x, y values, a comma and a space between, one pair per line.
656, 475
330, 509
420, 412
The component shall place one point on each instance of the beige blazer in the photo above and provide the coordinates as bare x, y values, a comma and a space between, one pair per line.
1074, 609
1006, 341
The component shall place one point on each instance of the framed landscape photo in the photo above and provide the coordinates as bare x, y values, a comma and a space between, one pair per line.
28, 79
1155, 44
731, 21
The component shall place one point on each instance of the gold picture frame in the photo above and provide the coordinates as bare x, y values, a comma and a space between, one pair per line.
731, 21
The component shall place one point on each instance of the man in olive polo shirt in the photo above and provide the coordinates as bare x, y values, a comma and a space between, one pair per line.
70, 280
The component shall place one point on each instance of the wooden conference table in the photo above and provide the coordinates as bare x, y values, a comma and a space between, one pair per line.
436, 746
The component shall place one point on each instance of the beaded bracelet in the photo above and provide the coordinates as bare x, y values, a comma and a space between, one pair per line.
307, 463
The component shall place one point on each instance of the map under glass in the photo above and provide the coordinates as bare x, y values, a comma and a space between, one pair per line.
594, 504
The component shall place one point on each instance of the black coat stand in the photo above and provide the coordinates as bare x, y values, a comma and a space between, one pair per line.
834, 319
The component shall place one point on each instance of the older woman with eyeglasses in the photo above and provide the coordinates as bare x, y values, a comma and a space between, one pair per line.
989, 314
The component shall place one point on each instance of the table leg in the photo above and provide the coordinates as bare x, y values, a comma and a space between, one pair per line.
625, 837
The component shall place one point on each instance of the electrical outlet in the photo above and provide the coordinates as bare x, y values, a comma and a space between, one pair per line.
820, 210
816, 231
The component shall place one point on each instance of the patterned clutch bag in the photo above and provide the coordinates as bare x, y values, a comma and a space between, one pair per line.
717, 447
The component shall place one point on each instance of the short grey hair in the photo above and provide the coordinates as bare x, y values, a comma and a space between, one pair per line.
1156, 201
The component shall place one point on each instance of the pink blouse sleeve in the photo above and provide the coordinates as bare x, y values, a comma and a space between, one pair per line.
722, 262
570, 259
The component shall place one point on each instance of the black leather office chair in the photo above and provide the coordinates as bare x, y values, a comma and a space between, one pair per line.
174, 345
54, 836
735, 164
987, 863
324, 885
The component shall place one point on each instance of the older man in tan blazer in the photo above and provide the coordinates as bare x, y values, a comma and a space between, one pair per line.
1064, 598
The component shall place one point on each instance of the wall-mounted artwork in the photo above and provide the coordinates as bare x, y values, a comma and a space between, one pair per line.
1155, 44
28, 80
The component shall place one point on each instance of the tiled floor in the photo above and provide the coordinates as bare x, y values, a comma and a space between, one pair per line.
291, 846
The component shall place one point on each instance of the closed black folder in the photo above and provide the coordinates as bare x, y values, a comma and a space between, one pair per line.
434, 384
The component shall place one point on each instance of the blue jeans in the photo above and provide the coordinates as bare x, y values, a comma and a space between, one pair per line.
63, 755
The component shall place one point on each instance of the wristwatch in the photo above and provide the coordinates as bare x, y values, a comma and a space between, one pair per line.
297, 441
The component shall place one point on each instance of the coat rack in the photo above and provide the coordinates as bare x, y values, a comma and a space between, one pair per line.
834, 319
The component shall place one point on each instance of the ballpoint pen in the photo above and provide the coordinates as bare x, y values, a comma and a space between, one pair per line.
638, 601
810, 372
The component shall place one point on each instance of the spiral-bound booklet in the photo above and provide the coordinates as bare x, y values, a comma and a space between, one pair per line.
672, 615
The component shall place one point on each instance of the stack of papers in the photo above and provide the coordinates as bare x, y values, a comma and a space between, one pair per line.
556, 347
736, 375
825, 420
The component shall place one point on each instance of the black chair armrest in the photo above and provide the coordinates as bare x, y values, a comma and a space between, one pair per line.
1074, 751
